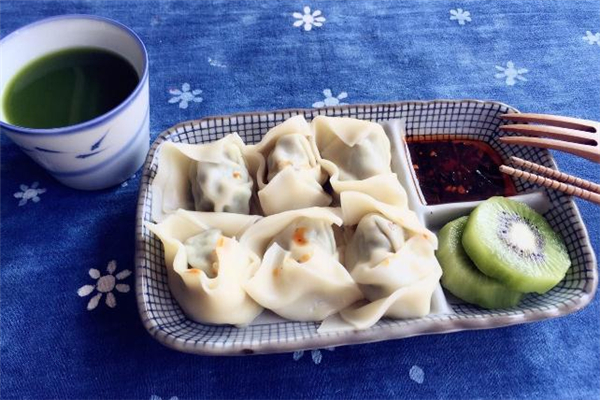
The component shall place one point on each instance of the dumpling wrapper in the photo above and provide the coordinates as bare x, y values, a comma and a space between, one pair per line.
300, 277
356, 154
259, 235
292, 190
401, 286
200, 250
356, 205
288, 174
391, 257
225, 186
222, 298
309, 291
171, 187
373, 240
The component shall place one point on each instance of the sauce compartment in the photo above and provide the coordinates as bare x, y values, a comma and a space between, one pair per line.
436, 194
455, 170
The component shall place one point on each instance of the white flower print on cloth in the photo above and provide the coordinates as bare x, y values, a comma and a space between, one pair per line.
155, 397
592, 38
511, 73
308, 19
105, 284
29, 193
185, 96
460, 15
316, 355
216, 63
330, 100
416, 374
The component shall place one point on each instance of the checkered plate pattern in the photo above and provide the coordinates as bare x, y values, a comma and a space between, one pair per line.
468, 119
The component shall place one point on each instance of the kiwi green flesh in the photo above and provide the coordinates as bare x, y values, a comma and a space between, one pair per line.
462, 278
509, 241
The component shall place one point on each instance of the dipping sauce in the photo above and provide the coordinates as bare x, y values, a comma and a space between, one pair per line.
458, 170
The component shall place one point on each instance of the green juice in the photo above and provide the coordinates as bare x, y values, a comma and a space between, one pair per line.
68, 87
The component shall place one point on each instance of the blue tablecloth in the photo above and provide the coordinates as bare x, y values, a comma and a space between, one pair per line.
539, 56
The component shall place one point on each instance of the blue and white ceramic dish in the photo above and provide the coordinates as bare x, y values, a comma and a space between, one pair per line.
470, 119
95, 154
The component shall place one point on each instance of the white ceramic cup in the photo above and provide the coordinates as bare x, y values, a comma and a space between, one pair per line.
94, 154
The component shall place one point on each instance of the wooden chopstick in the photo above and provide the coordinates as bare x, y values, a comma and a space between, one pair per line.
567, 188
554, 174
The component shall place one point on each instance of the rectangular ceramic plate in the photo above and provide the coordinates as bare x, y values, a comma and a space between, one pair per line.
471, 119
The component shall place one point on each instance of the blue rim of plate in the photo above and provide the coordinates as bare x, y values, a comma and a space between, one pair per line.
101, 119
179, 335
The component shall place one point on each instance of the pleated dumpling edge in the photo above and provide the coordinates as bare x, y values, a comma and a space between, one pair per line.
300, 277
207, 266
357, 156
203, 177
287, 172
391, 256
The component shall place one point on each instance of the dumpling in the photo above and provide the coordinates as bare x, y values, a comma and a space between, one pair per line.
223, 186
288, 174
391, 257
205, 177
207, 267
357, 156
300, 277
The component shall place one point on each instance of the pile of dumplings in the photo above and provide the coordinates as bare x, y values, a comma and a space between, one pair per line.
310, 223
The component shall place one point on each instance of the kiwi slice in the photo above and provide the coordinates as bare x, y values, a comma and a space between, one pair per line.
509, 241
462, 278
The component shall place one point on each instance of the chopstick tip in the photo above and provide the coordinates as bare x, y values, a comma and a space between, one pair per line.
517, 161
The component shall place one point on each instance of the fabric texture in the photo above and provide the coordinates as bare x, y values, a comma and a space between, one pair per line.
69, 331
